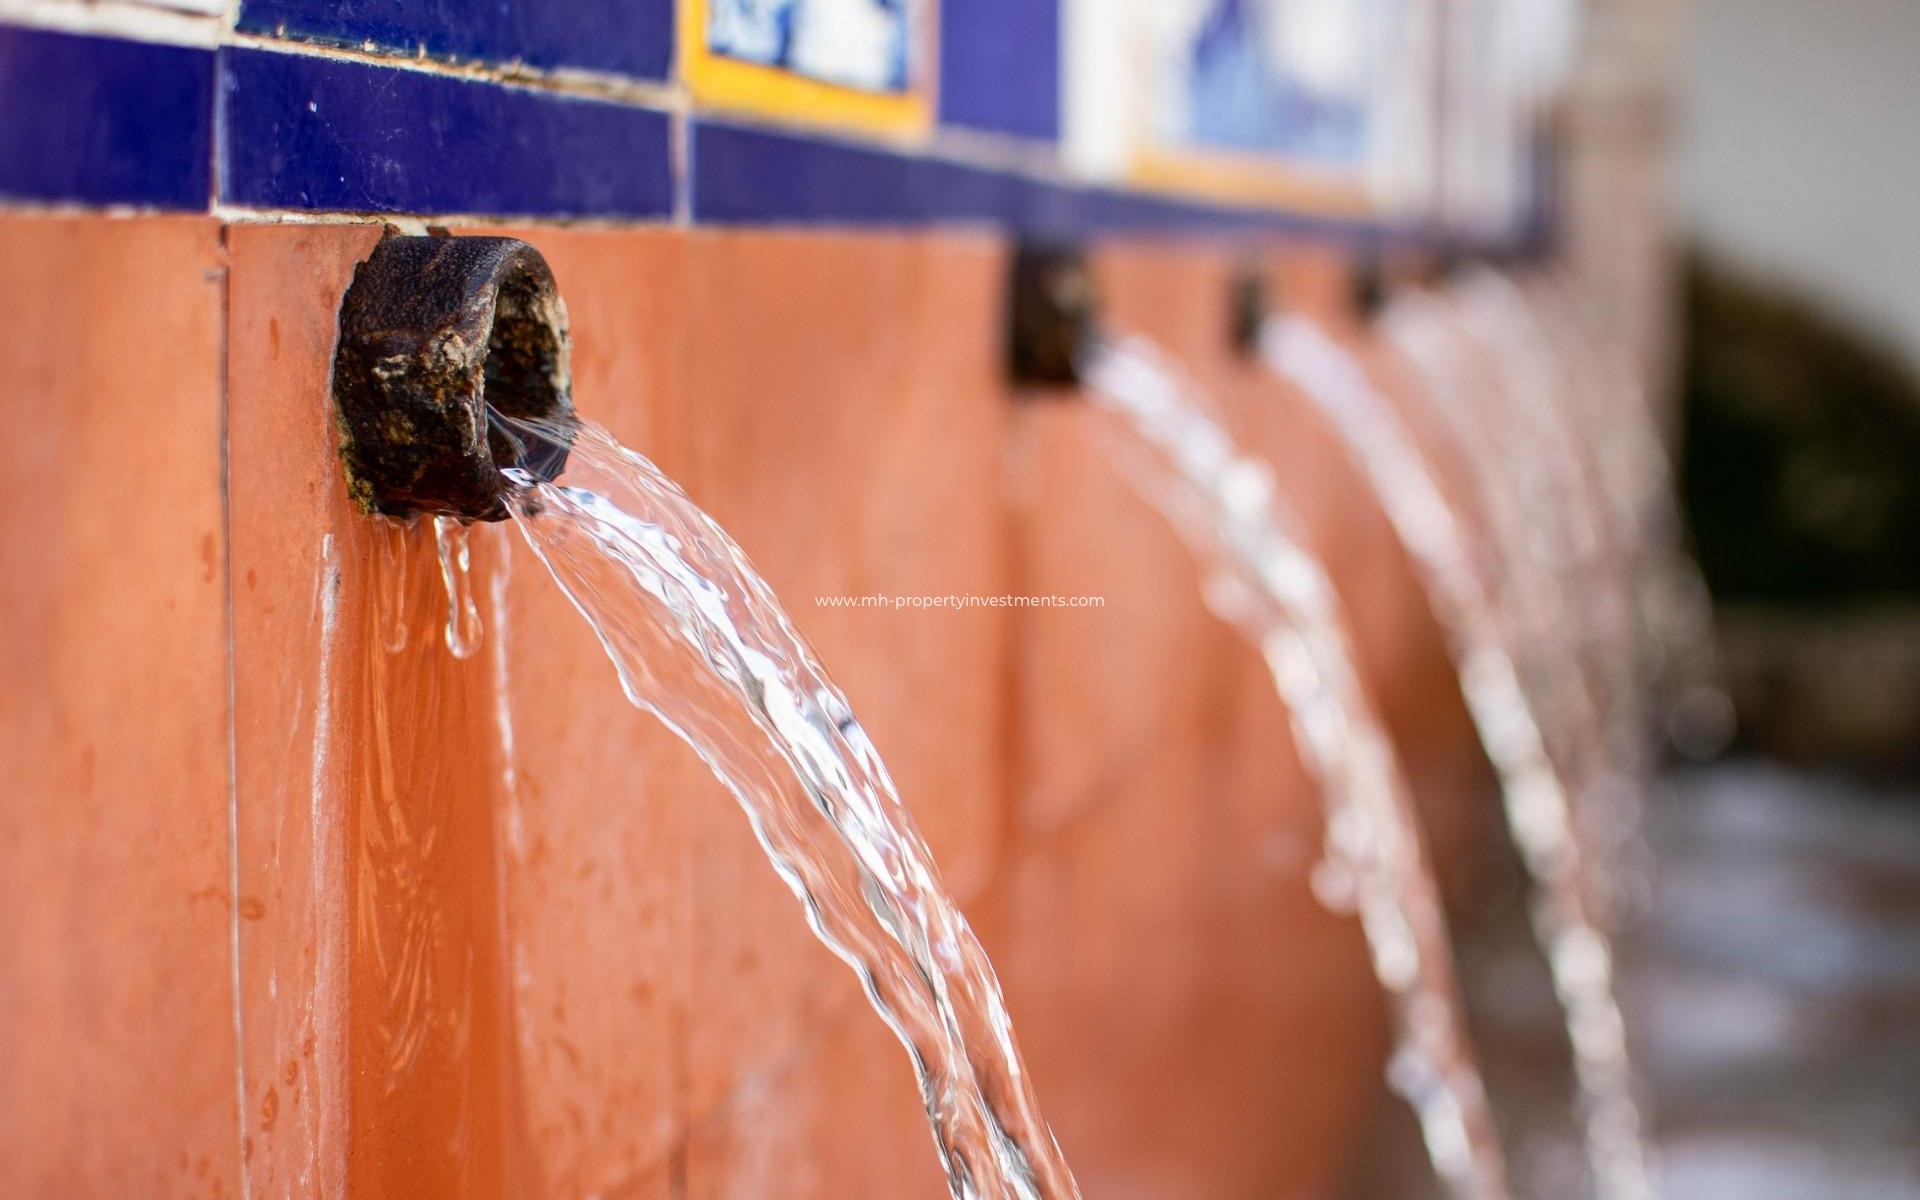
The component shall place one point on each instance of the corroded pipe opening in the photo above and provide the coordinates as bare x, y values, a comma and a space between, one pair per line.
436, 333
1050, 315
1247, 311
1369, 286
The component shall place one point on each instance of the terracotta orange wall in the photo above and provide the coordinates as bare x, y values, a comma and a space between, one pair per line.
290, 914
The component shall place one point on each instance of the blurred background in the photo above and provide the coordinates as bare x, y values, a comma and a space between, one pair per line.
1784, 937
785, 230
1776, 962
1801, 323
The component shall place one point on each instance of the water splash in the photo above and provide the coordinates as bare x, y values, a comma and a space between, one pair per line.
463, 631
699, 640
1268, 584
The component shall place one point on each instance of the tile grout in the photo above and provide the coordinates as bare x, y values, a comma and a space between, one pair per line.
233, 767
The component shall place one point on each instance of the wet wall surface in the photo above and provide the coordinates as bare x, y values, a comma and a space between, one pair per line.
294, 913
435, 926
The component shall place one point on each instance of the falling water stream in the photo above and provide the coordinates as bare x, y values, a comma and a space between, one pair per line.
1674, 611
1540, 404
1537, 804
1531, 569
699, 640
1267, 583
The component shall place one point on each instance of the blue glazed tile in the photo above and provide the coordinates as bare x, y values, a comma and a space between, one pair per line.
756, 176
1000, 66
958, 192
743, 175
1052, 211
316, 133
749, 175
624, 37
99, 121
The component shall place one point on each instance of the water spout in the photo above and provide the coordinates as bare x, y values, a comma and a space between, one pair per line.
453, 400
1050, 316
435, 332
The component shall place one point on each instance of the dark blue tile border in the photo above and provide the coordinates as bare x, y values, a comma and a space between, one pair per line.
315, 133
121, 122
1000, 66
751, 175
747, 175
96, 121
622, 37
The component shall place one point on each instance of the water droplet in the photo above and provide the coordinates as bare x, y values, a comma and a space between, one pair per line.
390, 543
456, 571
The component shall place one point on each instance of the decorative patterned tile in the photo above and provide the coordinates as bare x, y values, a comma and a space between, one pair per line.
865, 45
315, 133
623, 37
99, 121
850, 64
1000, 66
1269, 102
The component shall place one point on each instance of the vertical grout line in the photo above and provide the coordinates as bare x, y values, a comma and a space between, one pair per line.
217, 144
233, 716
215, 187
216, 174
228, 21
667, 420
681, 154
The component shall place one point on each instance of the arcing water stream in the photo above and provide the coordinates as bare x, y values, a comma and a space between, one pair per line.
1674, 612
1538, 402
1538, 806
1269, 585
700, 641
1532, 567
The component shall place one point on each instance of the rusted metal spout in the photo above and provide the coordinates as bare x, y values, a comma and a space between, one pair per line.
1051, 315
1369, 287
1247, 310
437, 334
